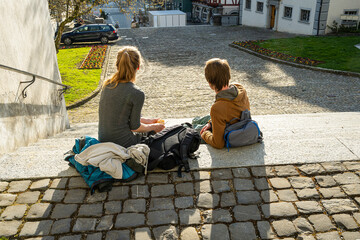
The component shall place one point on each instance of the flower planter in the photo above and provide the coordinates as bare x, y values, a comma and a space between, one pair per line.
251, 45
95, 58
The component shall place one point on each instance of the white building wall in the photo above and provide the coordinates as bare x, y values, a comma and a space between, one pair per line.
27, 43
168, 18
294, 25
337, 7
252, 17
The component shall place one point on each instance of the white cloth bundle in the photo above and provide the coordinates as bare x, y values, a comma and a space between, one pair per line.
109, 157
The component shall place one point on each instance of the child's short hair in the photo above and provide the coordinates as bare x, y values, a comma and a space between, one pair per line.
217, 73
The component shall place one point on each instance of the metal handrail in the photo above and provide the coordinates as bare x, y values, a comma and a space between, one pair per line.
65, 87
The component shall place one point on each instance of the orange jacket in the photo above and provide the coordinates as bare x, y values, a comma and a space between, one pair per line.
228, 105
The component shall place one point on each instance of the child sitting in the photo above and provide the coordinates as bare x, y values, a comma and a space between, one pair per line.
230, 101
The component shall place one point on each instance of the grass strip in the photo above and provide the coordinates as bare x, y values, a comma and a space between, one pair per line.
333, 52
82, 81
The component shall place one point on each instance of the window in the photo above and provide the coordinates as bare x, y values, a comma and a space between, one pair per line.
259, 6
305, 15
350, 18
94, 28
287, 12
349, 23
248, 4
106, 28
83, 29
350, 12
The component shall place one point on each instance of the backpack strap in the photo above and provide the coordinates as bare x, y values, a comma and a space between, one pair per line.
229, 123
82, 142
153, 164
148, 140
245, 115
184, 149
260, 136
187, 125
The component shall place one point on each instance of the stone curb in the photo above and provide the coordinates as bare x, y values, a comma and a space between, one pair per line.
75, 173
99, 87
345, 73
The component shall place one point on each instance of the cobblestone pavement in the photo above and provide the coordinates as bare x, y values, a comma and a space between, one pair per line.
173, 80
314, 201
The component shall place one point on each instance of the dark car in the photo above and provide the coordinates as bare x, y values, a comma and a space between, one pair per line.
90, 33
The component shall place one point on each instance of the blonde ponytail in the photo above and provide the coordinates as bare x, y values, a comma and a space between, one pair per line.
128, 61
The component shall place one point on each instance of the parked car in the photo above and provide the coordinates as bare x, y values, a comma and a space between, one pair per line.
90, 33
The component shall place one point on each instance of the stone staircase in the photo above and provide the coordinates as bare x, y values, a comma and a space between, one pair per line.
288, 139
45, 157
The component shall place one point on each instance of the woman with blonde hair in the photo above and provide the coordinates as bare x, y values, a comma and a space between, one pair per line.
121, 102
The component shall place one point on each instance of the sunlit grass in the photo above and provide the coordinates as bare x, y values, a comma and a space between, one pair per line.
82, 81
337, 52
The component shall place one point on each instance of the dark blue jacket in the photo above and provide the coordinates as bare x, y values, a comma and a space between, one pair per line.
93, 176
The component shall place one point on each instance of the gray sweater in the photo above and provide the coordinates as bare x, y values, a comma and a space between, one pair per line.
119, 113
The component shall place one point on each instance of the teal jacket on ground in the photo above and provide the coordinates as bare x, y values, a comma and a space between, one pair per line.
93, 176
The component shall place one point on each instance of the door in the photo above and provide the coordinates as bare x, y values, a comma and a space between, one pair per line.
94, 32
81, 34
169, 22
272, 16
162, 21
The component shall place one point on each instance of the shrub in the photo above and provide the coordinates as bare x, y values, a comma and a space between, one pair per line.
336, 28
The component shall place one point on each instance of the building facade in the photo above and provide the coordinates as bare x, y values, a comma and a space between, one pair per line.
309, 17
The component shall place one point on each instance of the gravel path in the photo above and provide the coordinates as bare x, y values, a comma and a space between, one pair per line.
173, 80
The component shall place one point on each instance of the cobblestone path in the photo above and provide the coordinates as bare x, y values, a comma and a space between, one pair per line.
173, 80
315, 201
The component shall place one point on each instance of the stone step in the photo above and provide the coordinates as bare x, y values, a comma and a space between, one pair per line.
78, 130
288, 139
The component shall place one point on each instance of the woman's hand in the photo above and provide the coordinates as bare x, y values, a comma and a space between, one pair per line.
157, 127
149, 120
205, 128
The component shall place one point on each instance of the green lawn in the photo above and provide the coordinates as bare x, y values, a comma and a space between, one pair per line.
336, 52
82, 81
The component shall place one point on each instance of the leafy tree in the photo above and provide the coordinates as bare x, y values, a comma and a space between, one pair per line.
131, 5
65, 11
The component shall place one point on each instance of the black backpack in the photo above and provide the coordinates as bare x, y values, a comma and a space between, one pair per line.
172, 147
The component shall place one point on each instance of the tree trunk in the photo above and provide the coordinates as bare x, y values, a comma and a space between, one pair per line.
60, 32
74, 15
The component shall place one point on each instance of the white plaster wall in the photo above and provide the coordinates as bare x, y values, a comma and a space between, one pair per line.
294, 25
26, 43
336, 8
254, 18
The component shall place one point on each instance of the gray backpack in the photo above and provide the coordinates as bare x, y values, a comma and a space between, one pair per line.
244, 132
